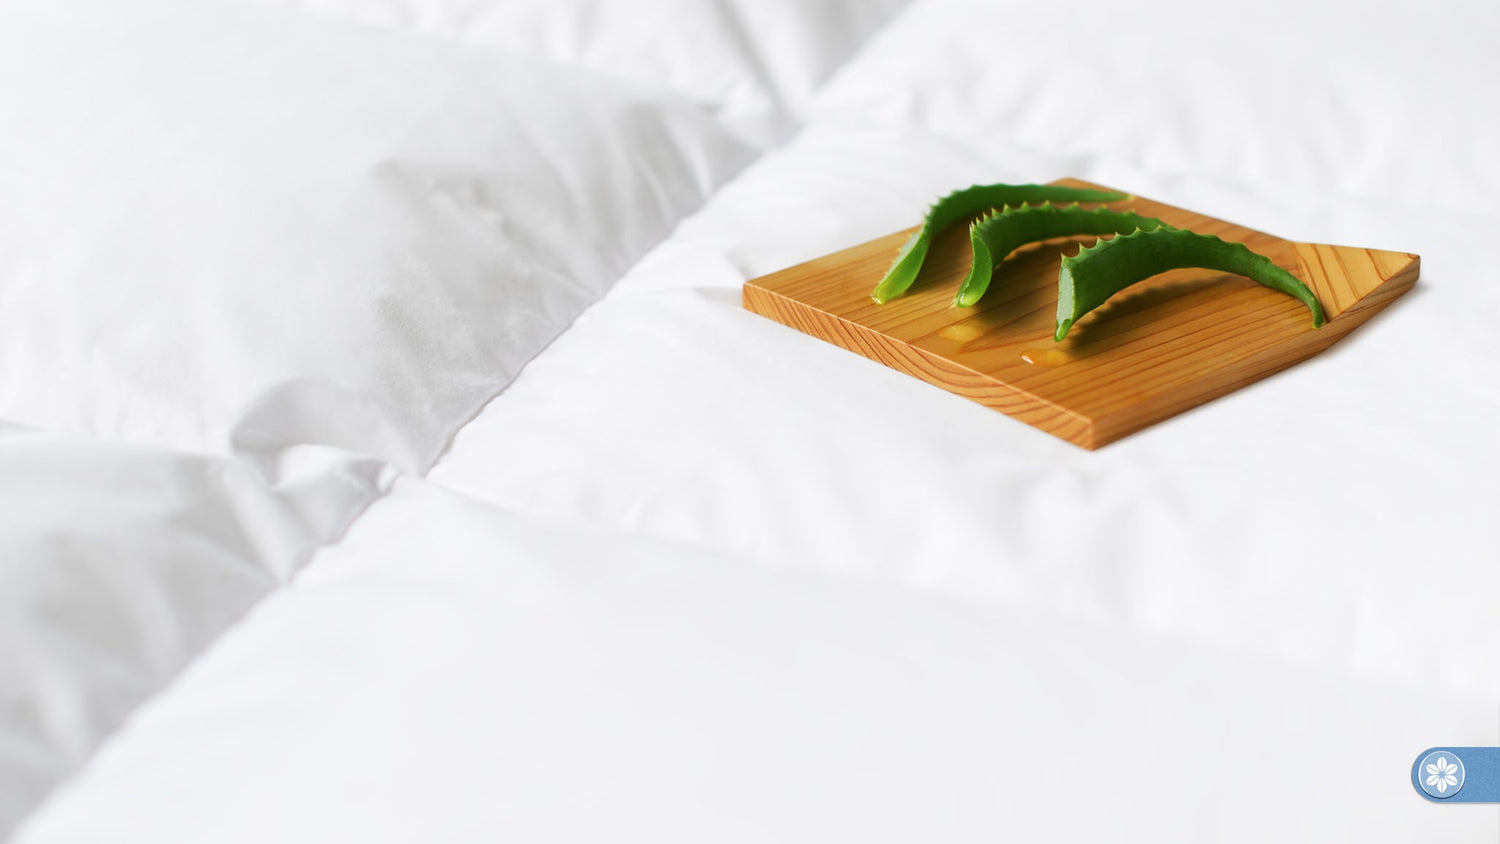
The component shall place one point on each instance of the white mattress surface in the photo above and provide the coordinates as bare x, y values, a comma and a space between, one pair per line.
386, 454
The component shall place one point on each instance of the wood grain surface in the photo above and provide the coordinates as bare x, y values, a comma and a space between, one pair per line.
1161, 347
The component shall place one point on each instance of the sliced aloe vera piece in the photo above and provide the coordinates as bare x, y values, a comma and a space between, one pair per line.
1001, 232
1086, 280
966, 204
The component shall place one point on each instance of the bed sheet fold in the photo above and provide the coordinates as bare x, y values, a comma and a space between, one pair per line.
295, 252
682, 566
120, 565
498, 675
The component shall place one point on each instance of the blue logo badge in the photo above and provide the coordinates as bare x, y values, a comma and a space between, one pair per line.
1440, 774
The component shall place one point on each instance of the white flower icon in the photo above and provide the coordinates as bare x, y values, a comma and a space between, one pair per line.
1442, 774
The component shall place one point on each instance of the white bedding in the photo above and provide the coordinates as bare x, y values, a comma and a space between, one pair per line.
385, 453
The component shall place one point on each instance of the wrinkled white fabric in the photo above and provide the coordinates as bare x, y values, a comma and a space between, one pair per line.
1390, 100
498, 677
119, 564
226, 225
693, 575
296, 253
755, 63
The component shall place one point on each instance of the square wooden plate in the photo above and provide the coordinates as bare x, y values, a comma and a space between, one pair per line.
1156, 349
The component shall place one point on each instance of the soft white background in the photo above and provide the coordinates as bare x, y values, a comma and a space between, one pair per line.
692, 575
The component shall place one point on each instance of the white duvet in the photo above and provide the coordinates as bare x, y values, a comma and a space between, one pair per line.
385, 454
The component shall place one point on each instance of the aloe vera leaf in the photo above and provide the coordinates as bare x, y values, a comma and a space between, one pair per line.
1001, 232
965, 204
1086, 280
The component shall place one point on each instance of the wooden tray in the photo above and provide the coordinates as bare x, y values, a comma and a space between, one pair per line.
1158, 348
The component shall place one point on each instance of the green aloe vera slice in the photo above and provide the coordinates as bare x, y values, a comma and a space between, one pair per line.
966, 204
1001, 232
1088, 279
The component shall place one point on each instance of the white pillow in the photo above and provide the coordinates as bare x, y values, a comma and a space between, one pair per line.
757, 63
119, 565
230, 228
